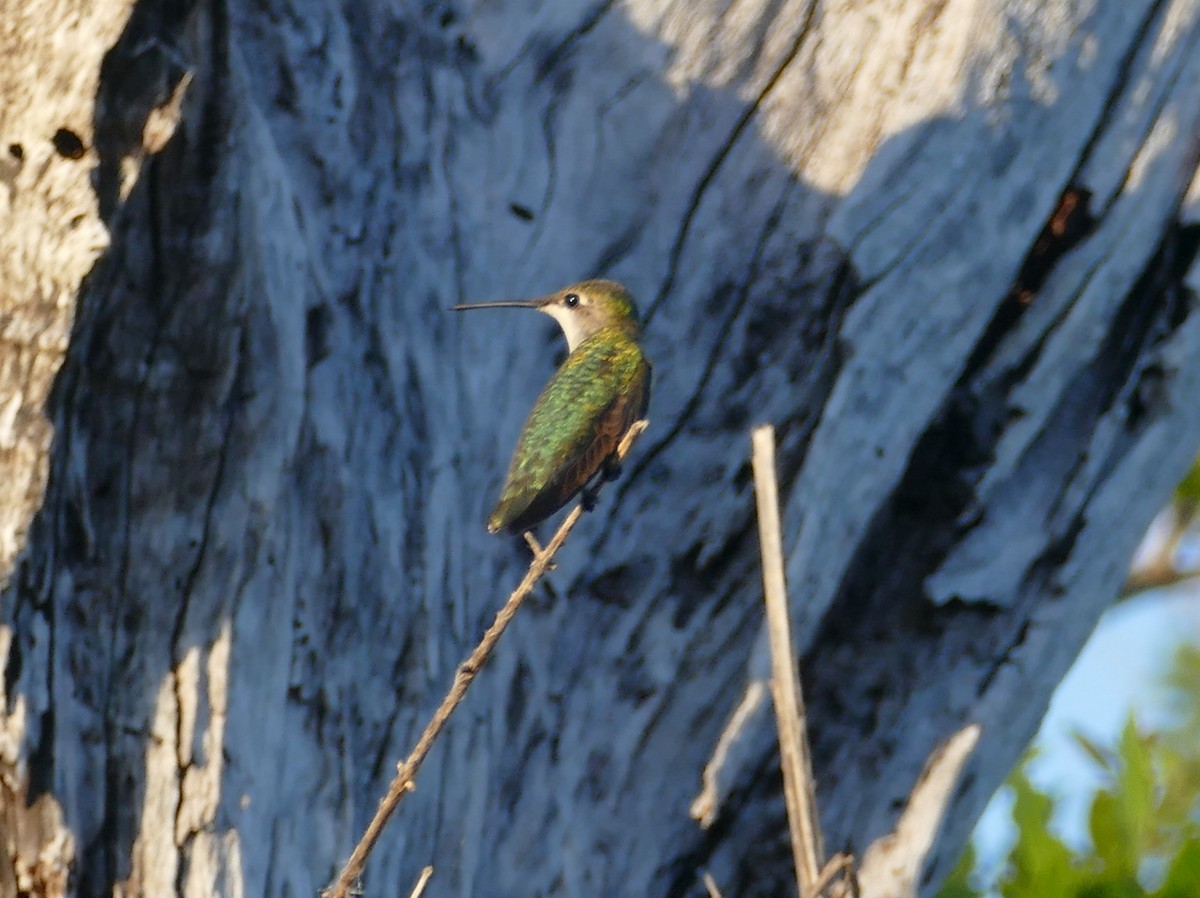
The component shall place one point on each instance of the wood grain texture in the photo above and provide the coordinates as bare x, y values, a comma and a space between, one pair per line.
258, 555
51, 235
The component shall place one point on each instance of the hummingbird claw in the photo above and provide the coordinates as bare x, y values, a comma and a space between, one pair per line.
588, 498
612, 469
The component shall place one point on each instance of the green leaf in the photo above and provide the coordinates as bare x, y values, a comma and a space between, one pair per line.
1111, 887
1183, 877
1135, 785
1188, 490
958, 883
1144, 821
1110, 836
1040, 864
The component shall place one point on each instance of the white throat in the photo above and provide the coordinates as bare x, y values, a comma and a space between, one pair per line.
570, 323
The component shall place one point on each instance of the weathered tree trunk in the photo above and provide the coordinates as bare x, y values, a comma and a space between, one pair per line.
948, 248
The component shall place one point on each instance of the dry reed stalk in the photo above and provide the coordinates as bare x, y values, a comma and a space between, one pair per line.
799, 790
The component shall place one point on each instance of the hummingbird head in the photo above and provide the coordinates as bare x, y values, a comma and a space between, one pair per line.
581, 309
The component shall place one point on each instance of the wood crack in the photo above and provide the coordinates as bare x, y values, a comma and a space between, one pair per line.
718, 159
1118, 86
716, 352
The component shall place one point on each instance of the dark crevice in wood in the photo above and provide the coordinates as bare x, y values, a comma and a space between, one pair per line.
387, 751
1154, 308
108, 839
13, 666
716, 352
922, 28
318, 323
1125, 378
547, 57
823, 363
681, 878
1071, 221
1004, 656
947, 460
885, 208
187, 594
910, 242
882, 599
1069, 224
455, 218
542, 216
778, 296
1132, 333
42, 758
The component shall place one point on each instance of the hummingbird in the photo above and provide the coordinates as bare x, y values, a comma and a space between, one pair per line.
579, 419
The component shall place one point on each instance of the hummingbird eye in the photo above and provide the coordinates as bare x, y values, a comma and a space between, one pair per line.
571, 300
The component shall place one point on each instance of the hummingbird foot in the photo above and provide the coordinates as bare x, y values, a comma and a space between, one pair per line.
612, 469
588, 497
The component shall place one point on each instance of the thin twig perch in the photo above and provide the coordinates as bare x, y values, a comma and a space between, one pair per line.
711, 884
422, 881
406, 772
893, 863
799, 791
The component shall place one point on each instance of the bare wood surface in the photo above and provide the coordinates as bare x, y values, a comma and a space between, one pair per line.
892, 865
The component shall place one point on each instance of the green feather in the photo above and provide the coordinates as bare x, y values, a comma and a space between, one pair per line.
605, 380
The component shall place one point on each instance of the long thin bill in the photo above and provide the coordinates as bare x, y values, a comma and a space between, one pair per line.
499, 304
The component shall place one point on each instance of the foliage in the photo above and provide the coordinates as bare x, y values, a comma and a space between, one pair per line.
1144, 820
1187, 494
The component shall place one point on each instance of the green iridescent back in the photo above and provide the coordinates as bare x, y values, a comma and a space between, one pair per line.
577, 422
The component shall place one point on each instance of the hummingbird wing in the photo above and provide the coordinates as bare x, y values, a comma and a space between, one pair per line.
577, 422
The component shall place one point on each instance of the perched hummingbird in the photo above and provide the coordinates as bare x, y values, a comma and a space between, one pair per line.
577, 423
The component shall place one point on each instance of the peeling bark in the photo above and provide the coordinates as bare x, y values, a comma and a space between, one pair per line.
254, 553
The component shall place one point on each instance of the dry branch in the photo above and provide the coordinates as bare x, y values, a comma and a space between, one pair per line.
406, 772
710, 884
422, 881
1160, 567
893, 863
705, 805
799, 790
